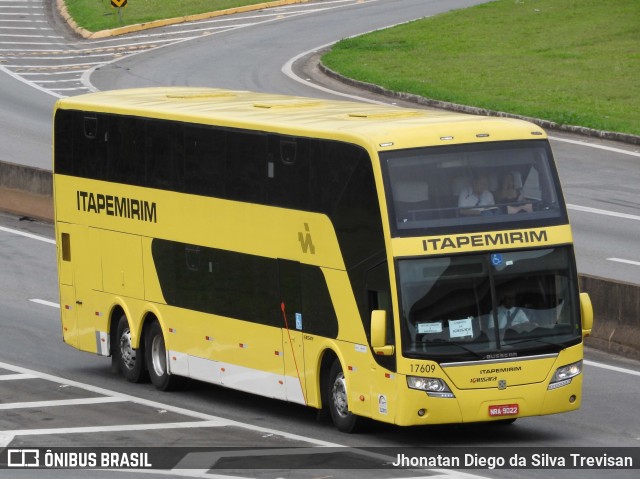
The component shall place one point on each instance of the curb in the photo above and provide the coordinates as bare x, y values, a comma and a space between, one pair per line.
62, 9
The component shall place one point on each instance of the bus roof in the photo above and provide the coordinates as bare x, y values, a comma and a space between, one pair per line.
379, 127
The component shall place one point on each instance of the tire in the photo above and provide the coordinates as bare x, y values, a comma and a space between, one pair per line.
337, 399
156, 358
130, 361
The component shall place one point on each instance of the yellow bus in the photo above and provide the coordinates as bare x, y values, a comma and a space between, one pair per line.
325, 253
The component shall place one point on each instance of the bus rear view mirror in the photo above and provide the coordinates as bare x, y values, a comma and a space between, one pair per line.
586, 313
379, 333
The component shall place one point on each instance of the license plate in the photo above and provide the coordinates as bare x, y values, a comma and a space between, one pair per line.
504, 410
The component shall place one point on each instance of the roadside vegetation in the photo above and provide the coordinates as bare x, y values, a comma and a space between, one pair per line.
574, 62
95, 15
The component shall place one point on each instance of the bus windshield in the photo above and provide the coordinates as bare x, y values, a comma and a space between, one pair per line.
472, 186
490, 305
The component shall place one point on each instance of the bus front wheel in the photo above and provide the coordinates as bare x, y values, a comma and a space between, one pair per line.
156, 357
130, 361
337, 397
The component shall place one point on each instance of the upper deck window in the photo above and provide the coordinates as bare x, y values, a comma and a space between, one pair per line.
472, 186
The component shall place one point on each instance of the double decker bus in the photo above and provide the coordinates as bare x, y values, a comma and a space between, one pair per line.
325, 253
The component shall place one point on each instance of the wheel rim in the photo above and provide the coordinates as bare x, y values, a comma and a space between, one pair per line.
339, 395
158, 355
127, 353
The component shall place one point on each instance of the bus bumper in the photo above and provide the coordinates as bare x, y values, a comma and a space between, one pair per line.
485, 405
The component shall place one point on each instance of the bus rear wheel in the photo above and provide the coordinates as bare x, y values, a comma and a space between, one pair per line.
156, 357
338, 401
130, 361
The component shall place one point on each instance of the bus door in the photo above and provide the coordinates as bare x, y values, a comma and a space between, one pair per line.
74, 265
292, 330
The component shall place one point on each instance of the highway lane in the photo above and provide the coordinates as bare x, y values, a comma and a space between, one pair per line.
31, 339
25, 113
601, 190
251, 57
25, 124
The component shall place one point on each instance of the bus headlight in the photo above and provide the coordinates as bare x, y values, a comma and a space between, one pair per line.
564, 374
434, 387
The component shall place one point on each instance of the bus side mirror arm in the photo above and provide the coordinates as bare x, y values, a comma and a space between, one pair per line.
586, 314
379, 334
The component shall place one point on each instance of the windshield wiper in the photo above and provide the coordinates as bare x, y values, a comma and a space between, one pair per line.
464, 348
537, 340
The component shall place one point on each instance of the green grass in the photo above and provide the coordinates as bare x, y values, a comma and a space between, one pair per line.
574, 62
95, 15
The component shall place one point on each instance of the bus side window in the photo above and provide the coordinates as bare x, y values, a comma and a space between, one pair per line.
63, 141
90, 147
288, 172
164, 155
246, 165
205, 153
126, 151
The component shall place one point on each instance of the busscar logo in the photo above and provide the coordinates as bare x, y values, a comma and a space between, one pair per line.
500, 356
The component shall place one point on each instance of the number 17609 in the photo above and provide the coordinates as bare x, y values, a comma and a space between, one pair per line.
423, 368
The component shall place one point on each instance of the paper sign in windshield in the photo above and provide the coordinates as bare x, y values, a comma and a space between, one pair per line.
429, 328
459, 328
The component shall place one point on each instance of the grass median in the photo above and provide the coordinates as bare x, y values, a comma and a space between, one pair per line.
96, 15
574, 62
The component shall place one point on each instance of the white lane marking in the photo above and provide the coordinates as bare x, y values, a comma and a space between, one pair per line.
58, 57
80, 88
5, 439
597, 211
51, 73
16, 377
185, 473
287, 69
28, 36
45, 303
60, 402
57, 65
61, 80
118, 428
626, 261
207, 420
22, 28
26, 235
600, 147
7, 436
612, 368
